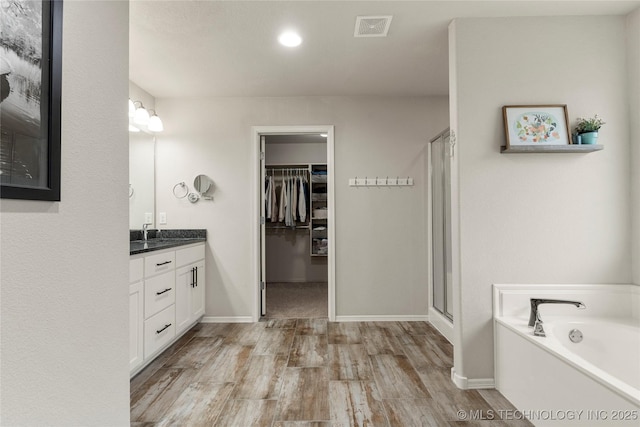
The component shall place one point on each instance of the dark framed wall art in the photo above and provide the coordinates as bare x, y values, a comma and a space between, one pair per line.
30, 93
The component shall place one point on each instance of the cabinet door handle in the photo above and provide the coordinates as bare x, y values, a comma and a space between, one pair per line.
192, 278
162, 292
196, 281
163, 263
162, 329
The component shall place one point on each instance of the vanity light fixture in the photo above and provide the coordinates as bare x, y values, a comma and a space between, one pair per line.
155, 124
141, 116
290, 39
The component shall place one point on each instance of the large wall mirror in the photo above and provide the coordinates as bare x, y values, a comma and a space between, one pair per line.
141, 179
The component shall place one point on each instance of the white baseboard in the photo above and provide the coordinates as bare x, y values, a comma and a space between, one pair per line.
229, 319
442, 324
465, 383
385, 318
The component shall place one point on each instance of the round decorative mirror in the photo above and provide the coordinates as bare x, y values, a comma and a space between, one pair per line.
202, 184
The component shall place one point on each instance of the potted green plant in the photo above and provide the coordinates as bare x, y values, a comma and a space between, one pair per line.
587, 129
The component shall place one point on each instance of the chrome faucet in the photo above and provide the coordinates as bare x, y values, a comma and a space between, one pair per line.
145, 231
534, 317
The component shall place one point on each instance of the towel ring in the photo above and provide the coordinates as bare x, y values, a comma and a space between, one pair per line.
130, 191
184, 188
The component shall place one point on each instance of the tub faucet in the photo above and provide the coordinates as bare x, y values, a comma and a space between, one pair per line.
534, 316
145, 231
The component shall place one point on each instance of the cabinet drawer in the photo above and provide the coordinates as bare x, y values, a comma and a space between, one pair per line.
159, 263
159, 330
189, 255
136, 270
159, 293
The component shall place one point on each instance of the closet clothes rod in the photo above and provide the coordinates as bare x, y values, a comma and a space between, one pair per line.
287, 169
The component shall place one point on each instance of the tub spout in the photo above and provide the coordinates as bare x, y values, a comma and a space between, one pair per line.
534, 317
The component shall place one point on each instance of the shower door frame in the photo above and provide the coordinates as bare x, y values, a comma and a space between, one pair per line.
442, 322
445, 225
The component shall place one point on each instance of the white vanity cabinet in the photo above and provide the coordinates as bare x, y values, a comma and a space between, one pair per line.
136, 313
159, 311
159, 300
189, 286
166, 297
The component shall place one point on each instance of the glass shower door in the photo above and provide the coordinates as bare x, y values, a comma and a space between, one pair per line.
441, 224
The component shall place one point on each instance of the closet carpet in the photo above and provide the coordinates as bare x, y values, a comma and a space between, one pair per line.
297, 300
310, 372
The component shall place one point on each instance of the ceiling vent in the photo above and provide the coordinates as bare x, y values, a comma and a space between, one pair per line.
372, 26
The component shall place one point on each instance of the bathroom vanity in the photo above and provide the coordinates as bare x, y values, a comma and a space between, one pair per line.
166, 292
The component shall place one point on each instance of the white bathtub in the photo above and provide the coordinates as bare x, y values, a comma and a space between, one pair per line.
553, 381
609, 347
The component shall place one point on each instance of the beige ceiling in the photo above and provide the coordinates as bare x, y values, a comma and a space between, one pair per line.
229, 48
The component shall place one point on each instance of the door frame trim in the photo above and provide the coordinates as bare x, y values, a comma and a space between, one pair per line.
256, 187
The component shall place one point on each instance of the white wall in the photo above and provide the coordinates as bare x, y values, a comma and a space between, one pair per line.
536, 218
633, 75
289, 260
288, 152
64, 265
381, 238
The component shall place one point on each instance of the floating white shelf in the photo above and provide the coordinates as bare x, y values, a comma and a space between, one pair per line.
573, 148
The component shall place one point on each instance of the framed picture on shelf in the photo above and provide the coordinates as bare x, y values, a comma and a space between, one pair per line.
536, 125
30, 93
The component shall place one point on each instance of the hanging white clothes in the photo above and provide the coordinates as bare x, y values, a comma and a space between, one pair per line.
287, 197
302, 205
274, 201
283, 201
294, 198
288, 221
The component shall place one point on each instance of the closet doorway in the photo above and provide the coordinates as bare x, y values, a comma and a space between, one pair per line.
295, 254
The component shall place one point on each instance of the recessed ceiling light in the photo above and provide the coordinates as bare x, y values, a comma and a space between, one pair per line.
290, 39
324, 135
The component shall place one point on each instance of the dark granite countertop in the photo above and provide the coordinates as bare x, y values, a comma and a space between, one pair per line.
163, 239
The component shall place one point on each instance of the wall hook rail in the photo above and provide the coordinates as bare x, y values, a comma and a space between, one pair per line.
381, 182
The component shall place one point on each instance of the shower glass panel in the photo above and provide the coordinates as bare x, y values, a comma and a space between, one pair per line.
441, 224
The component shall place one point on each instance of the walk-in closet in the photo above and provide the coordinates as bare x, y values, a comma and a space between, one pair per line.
295, 221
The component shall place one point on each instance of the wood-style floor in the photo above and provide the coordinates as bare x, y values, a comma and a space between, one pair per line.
309, 372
